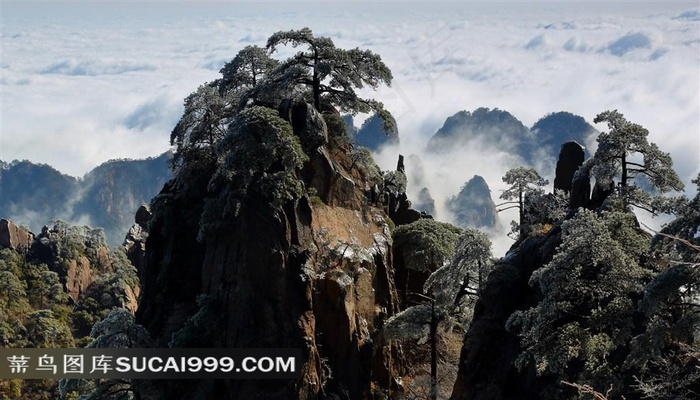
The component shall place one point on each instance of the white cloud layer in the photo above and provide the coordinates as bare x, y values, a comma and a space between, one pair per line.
84, 83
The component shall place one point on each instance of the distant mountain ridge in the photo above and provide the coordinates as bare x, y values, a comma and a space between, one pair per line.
106, 197
537, 147
493, 127
500, 129
553, 130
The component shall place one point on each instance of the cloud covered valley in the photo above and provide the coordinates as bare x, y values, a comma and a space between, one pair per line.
84, 83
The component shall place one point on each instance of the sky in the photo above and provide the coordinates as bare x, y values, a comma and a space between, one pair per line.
86, 82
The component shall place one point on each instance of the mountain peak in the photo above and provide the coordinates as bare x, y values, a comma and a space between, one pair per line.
473, 206
490, 127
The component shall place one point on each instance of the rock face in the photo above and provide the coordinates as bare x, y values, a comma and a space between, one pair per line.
89, 273
397, 203
580, 195
599, 194
13, 237
135, 240
473, 206
571, 157
306, 122
78, 277
314, 274
487, 370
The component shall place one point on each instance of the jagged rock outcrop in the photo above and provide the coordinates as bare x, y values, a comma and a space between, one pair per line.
404, 213
570, 159
143, 216
487, 363
80, 273
399, 207
135, 240
332, 183
307, 123
102, 259
314, 274
13, 237
581, 194
93, 277
473, 206
600, 193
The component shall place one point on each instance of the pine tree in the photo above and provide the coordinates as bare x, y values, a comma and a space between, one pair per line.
248, 68
625, 153
445, 288
330, 74
524, 182
202, 125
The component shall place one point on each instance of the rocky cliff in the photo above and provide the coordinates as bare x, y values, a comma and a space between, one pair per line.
311, 270
14, 237
86, 266
55, 288
487, 363
571, 157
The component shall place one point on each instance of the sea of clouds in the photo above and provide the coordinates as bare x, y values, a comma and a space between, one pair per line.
83, 83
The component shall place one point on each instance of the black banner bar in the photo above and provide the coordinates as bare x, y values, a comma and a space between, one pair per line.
150, 363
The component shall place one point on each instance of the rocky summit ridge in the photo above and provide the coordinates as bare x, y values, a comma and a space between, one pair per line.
313, 271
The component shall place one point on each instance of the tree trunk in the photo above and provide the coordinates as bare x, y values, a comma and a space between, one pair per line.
316, 83
480, 277
623, 182
252, 67
521, 208
317, 89
433, 351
